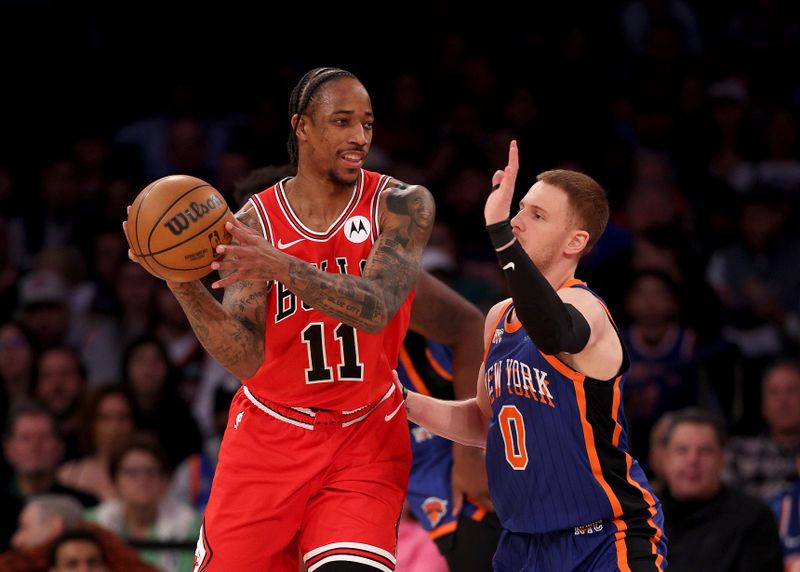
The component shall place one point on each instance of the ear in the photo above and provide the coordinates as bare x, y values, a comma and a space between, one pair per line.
577, 243
57, 524
299, 124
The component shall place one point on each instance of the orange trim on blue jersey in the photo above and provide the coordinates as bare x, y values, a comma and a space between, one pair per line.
488, 343
572, 282
444, 529
651, 507
591, 450
437, 367
510, 326
563, 368
480, 510
619, 544
411, 372
614, 411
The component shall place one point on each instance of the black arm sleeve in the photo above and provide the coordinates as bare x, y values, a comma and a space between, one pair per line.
553, 325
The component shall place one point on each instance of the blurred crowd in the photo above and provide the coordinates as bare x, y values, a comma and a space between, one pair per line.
113, 411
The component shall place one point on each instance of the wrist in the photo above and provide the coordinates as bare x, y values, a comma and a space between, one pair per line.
501, 234
404, 392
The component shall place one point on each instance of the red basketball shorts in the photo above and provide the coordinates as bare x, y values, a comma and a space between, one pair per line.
321, 485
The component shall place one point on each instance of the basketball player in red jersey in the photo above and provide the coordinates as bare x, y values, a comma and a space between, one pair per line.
316, 455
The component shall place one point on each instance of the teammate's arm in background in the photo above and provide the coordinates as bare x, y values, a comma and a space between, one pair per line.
460, 421
231, 332
367, 302
441, 314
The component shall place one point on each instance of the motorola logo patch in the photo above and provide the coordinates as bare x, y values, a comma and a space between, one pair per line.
357, 229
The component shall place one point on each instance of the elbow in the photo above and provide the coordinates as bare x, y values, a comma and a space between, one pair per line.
376, 318
247, 368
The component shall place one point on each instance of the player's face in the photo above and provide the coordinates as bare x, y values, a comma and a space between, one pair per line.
544, 225
693, 462
340, 132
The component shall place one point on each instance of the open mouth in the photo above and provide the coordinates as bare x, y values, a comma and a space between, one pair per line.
352, 159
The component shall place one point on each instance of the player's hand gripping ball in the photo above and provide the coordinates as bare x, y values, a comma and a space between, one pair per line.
175, 225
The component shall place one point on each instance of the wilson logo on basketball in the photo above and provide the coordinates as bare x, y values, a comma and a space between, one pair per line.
434, 508
180, 222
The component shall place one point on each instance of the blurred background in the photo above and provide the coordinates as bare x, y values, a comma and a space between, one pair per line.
687, 113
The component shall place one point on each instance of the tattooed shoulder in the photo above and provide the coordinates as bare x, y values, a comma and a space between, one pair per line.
413, 201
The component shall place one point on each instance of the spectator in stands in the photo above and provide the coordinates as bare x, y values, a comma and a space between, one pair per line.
142, 512
48, 518
33, 448
60, 387
191, 481
153, 382
663, 373
45, 517
765, 465
17, 366
77, 550
43, 307
106, 423
711, 526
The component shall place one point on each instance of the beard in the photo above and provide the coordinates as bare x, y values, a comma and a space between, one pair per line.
338, 179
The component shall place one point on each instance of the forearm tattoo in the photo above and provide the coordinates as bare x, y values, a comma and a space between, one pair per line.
368, 303
231, 332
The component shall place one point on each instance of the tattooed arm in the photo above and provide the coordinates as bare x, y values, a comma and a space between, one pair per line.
369, 302
232, 332
443, 315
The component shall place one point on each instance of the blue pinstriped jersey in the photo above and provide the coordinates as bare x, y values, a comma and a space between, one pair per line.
556, 454
426, 366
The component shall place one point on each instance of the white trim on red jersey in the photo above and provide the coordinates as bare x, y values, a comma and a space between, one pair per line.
375, 207
303, 230
263, 219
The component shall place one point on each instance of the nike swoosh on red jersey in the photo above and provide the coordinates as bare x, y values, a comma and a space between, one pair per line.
393, 413
284, 245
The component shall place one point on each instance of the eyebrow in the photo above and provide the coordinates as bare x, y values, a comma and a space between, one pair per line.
349, 112
522, 205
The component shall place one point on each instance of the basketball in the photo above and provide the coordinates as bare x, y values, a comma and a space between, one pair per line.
175, 225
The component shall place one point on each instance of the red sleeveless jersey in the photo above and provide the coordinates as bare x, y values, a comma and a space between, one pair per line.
311, 359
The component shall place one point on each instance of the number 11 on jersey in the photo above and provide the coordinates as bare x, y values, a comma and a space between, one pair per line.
350, 368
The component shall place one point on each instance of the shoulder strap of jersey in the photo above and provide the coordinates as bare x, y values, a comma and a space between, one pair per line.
501, 318
626, 361
261, 212
375, 207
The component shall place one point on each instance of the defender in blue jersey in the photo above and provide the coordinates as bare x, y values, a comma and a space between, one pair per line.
466, 537
549, 407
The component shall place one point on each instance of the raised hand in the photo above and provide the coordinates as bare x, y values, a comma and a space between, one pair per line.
249, 257
498, 204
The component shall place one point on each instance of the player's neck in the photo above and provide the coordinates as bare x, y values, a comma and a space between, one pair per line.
309, 185
559, 272
317, 200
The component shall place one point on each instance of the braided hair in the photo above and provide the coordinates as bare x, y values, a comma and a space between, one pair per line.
302, 97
